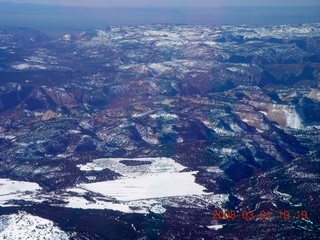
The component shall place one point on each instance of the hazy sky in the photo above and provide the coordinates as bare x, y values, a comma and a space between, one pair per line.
173, 3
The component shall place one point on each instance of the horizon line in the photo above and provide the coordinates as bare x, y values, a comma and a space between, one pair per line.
164, 7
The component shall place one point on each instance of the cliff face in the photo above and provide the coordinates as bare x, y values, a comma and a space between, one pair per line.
235, 108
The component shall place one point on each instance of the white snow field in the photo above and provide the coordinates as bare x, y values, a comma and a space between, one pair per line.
157, 178
17, 190
147, 186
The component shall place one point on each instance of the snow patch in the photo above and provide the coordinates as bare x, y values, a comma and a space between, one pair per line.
80, 202
140, 206
24, 66
26, 226
215, 227
143, 178
164, 115
146, 187
152, 166
66, 37
159, 68
17, 190
294, 120
8, 186
211, 44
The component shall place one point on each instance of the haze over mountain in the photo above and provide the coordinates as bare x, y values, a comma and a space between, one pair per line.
169, 3
59, 18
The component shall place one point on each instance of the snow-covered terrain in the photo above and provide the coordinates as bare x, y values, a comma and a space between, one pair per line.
143, 178
24, 226
145, 185
149, 128
133, 167
17, 190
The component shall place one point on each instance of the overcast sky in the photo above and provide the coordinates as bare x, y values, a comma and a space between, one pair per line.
173, 3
